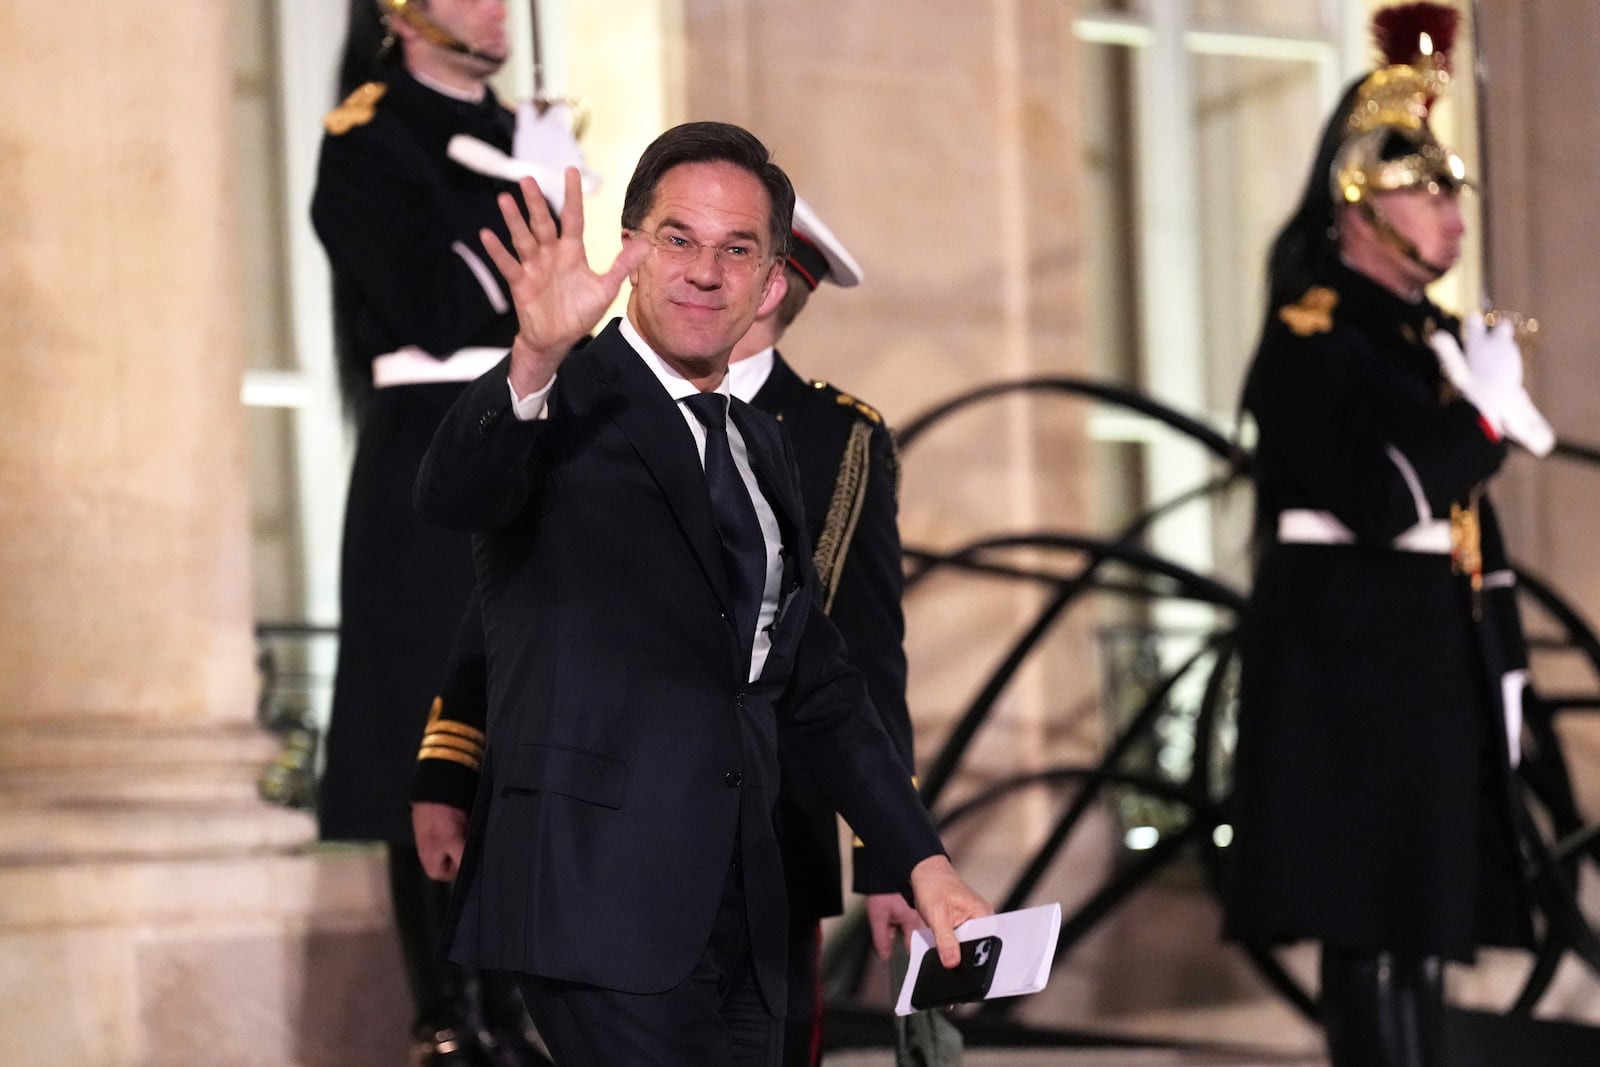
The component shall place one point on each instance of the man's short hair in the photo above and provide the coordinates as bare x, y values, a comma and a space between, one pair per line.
711, 142
794, 299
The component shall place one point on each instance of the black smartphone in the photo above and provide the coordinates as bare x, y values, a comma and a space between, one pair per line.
969, 980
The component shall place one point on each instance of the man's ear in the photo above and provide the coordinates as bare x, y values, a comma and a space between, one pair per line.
401, 27
633, 275
777, 289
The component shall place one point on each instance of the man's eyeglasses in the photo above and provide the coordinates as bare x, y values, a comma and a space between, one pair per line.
733, 258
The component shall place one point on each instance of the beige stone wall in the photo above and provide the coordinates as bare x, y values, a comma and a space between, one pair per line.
1542, 203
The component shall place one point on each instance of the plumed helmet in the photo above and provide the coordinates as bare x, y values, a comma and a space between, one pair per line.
1386, 142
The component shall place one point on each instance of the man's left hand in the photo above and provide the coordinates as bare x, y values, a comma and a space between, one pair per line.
886, 913
945, 902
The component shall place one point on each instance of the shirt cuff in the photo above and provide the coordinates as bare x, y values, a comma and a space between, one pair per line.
530, 407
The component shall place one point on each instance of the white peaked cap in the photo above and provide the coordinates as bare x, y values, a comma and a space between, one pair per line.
816, 242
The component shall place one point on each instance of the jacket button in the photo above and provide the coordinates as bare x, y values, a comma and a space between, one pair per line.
486, 420
732, 779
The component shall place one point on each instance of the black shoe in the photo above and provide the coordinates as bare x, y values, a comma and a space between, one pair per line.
505, 1047
448, 1047
505, 1031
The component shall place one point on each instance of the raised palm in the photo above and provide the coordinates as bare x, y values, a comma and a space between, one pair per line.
558, 298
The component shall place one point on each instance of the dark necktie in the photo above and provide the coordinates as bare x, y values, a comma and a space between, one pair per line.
744, 550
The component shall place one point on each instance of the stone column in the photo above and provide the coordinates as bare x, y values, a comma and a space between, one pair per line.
151, 902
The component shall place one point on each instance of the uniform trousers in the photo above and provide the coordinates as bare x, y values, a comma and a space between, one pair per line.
802, 1043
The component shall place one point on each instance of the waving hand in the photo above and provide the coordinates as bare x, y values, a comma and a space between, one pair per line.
558, 298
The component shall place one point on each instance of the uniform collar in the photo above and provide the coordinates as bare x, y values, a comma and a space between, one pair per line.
451, 91
1365, 302
747, 376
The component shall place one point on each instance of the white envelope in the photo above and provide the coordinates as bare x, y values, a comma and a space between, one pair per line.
1027, 949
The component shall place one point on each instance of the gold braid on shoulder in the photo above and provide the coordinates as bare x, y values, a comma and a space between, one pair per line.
844, 511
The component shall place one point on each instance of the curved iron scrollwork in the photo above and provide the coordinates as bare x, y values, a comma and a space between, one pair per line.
1558, 840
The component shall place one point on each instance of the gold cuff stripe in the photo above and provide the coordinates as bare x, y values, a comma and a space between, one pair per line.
446, 741
844, 511
460, 729
452, 755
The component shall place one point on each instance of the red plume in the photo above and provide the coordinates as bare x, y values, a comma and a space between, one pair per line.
1398, 32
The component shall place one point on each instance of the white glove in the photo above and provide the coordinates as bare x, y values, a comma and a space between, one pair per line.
1458, 372
1489, 374
485, 158
1512, 683
1526, 426
542, 148
1492, 354
1452, 362
547, 139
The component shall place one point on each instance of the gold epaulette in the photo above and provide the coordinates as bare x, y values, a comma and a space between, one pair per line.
860, 407
1313, 314
447, 739
356, 110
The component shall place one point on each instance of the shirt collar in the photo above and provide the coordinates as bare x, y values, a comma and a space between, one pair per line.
748, 375
676, 385
466, 96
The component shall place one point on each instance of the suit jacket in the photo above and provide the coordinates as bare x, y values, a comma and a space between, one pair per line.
629, 761
849, 482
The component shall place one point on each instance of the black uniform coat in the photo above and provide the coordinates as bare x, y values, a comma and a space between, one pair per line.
629, 760
848, 481
399, 222
1372, 773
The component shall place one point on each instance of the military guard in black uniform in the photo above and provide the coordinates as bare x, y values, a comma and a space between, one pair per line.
849, 478
419, 311
1383, 661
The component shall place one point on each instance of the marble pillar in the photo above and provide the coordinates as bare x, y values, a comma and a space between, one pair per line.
152, 908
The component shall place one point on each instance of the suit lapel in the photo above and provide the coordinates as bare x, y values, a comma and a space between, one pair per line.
633, 398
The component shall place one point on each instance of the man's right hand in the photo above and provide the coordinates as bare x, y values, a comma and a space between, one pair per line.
441, 833
558, 298
945, 902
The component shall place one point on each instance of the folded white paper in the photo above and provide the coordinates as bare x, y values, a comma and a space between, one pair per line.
1027, 949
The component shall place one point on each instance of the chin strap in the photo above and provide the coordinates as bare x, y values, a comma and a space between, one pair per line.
435, 33
1398, 241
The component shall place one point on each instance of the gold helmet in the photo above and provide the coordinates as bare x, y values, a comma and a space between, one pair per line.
412, 14
1387, 143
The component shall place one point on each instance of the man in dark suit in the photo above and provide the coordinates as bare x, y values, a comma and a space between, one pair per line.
849, 479
649, 637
